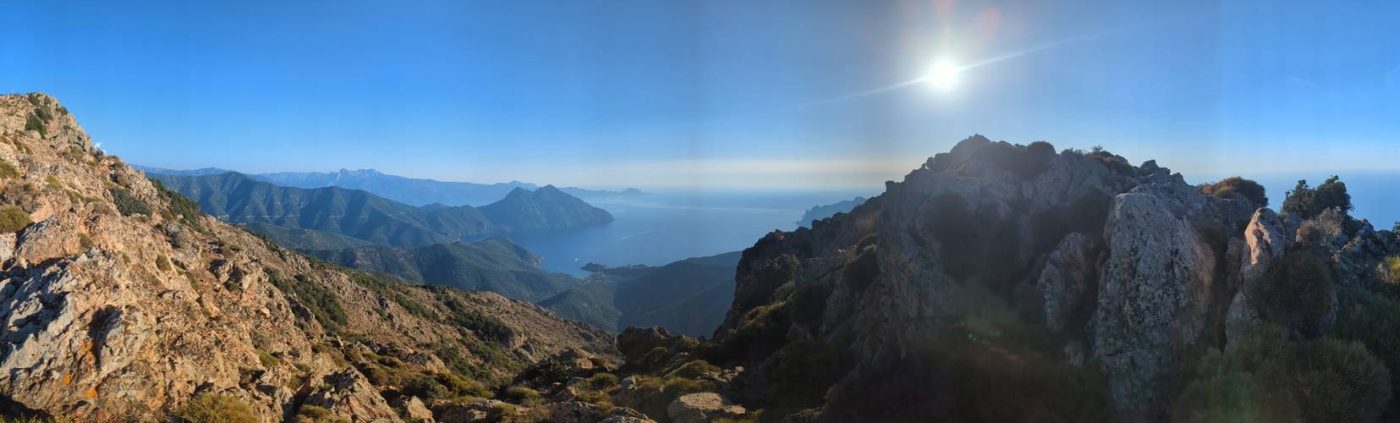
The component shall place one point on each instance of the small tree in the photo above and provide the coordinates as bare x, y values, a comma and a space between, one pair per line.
1307, 202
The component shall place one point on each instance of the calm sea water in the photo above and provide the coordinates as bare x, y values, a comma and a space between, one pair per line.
665, 227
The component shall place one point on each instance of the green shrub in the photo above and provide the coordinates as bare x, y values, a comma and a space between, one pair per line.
320, 301
12, 219
1306, 202
426, 387
308, 413
1297, 291
695, 369
1273, 379
267, 360
33, 123
84, 241
8, 170
602, 381
523, 395
53, 183
1374, 321
180, 206
128, 204
1392, 265
215, 408
163, 263
1228, 187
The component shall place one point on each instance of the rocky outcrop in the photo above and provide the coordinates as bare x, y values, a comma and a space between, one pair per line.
122, 303
1127, 271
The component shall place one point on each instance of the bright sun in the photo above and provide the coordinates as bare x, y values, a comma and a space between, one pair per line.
943, 75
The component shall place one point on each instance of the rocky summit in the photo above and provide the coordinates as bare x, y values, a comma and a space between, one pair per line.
1002, 282
121, 302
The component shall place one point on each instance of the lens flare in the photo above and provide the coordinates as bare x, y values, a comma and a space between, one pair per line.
944, 75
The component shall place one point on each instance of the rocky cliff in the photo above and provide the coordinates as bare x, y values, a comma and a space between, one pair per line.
1001, 282
121, 302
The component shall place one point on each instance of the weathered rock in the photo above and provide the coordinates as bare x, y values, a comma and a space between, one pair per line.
702, 407
413, 410
47, 240
348, 394
1153, 296
1067, 281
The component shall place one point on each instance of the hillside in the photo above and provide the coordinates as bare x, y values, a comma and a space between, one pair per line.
543, 209
237, 198
494, 265
334, 217
688, 297
121, 302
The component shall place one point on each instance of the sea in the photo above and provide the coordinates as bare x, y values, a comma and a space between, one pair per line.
664, 227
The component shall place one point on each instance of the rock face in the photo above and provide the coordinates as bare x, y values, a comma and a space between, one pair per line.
122, 303
995, 256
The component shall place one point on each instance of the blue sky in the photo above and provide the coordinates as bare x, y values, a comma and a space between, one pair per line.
712, 93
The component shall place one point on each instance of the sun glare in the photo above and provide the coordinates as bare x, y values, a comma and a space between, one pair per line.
944, 74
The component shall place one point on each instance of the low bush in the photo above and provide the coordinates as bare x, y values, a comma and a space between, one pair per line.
12, 219
34, 123
1228, 187
8, 170
128, 204
308, 413
215, 408
523, 395
267, 360
1297, 291
1264, 375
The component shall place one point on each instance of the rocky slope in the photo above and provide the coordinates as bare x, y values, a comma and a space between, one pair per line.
827, 210
121, 302
1001, 282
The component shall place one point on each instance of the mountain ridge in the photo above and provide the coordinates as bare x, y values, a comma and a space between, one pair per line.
412, 191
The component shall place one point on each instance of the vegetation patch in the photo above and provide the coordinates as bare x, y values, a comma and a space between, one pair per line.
215, 408
180, 207
34, 123
1265, 377
1233, 185
321, 302
1297, 292
8, 170
1307, 202
128, 204
12, 219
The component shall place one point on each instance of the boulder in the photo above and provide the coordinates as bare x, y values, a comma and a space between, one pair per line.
702, 407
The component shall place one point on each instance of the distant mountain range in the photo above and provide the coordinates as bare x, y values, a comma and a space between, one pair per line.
829, 210
323, 218
413, 191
